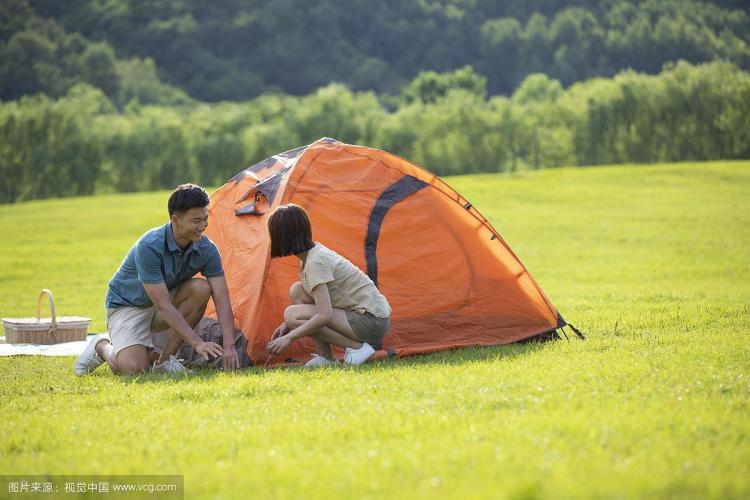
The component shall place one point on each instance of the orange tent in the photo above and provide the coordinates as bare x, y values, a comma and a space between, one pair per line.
450, 278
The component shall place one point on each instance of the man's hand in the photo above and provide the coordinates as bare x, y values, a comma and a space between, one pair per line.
220, 294
280, 331
229, 360
278, 345
208, 349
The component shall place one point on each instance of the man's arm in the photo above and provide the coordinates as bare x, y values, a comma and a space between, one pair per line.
220, 294
159, 295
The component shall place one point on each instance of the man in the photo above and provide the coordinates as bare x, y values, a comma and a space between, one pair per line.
154, 289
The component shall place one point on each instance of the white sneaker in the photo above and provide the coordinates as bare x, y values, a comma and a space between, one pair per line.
318, 360
172, 365
89, 359
358, 356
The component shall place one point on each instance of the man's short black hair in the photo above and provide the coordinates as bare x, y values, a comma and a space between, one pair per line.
290, 231
185, 197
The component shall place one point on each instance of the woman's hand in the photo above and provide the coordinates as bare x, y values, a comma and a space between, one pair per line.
280, 331
278, 345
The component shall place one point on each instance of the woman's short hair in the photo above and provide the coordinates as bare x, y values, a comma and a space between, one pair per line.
290, 231
185, 197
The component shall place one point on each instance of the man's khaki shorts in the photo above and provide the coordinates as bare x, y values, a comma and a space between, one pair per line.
129, 326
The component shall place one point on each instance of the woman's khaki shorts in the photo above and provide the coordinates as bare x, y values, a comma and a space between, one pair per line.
368, 328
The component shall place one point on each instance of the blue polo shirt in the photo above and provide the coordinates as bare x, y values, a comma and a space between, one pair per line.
156, 258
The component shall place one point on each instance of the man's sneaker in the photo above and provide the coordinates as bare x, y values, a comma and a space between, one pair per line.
172, 365
318, 360
89, 359
358, 356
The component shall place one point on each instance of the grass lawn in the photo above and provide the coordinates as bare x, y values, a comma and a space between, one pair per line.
653, 262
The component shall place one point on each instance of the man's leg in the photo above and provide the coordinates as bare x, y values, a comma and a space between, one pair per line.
129, 334
129, 361
191, 300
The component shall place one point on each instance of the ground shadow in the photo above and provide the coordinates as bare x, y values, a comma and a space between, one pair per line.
458, 356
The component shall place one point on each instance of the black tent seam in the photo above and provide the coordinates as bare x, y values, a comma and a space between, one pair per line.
393, 194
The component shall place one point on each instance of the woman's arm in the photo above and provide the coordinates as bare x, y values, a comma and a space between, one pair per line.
280, 331
323, 314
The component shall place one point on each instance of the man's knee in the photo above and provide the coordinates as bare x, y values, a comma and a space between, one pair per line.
133, 360
198, 289
132, 366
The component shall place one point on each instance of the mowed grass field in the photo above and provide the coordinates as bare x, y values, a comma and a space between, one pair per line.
652, 262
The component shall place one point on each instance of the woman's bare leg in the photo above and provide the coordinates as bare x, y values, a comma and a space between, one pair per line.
338, 332
299, 297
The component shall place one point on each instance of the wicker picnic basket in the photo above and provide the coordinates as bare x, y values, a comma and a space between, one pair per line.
40, 330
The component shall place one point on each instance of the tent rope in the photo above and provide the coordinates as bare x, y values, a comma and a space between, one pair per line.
565, 334
577, 332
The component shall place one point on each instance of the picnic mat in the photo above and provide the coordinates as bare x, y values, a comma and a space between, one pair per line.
62, 349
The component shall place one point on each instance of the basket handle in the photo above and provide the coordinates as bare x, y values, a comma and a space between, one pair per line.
51, 306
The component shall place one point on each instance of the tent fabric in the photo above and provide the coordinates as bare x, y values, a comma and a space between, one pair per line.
449, 276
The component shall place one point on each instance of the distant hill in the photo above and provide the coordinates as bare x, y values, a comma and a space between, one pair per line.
168, 51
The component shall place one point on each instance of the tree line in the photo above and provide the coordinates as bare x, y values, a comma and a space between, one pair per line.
82, 143
168, 51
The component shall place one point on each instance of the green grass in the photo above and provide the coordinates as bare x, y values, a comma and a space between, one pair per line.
653, 262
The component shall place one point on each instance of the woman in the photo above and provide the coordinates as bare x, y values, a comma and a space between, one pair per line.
334, 303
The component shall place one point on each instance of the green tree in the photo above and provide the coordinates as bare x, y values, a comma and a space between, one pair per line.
27, 66
139, 81
429, 86
98, 68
